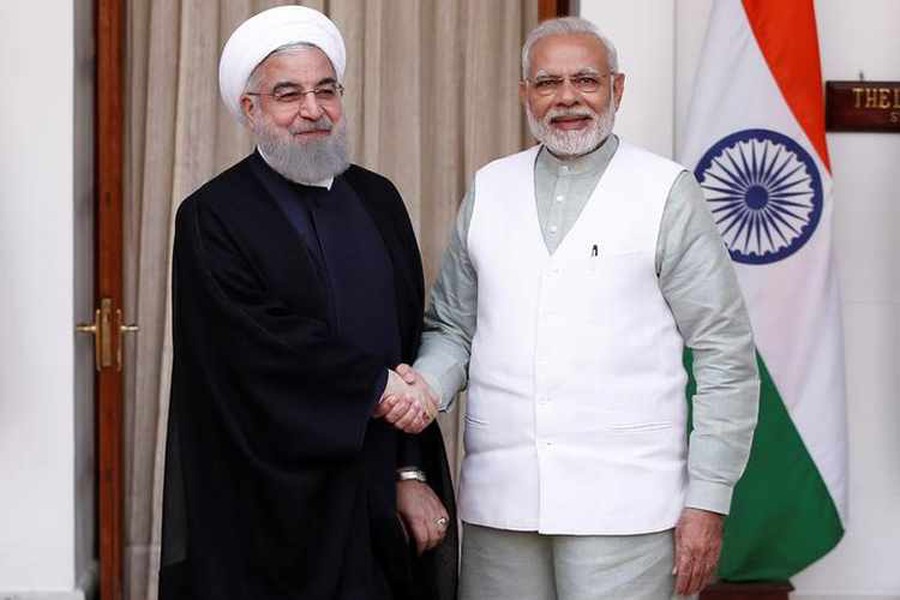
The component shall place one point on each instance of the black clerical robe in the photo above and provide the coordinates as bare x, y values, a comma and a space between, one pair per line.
278, 481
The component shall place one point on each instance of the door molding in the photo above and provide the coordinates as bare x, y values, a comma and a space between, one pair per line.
108, 268
548, 9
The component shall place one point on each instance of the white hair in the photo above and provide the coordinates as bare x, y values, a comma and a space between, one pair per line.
567, 26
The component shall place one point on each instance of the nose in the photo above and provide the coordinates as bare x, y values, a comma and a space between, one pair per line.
568, 93
310, 107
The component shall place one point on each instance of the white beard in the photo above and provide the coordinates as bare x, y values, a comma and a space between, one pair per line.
576, 142
304, 162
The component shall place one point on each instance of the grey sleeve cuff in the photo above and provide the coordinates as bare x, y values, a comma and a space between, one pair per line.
709, 495
443, 366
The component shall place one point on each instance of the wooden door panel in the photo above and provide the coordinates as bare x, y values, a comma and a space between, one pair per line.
548, 9
109, 107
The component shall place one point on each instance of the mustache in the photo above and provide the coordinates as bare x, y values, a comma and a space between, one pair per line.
561, 113
323, 123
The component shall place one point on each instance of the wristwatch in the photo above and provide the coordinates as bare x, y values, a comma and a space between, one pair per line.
411, 473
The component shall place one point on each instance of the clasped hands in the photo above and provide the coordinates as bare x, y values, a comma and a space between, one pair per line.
408, 403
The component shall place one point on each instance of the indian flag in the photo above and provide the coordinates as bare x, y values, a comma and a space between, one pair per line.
755, 138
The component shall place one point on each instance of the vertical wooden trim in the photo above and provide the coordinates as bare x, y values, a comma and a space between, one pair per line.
109, 176
549, 9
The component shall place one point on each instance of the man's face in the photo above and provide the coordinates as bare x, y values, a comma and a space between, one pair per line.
295, 111
281, 80
570, 95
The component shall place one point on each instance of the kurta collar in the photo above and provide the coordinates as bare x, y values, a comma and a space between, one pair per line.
592, 162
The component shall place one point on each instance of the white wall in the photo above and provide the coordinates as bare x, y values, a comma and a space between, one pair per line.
37, 449
644, 34
866, 38
860, 36
83, 220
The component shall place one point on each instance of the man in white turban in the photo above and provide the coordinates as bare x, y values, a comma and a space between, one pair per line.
293, 444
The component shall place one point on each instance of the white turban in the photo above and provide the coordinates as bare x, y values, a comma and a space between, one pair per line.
261, 34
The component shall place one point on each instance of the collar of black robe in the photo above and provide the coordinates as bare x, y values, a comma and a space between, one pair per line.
385, 206
294, 200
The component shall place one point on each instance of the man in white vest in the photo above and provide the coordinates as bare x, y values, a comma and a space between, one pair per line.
577, 272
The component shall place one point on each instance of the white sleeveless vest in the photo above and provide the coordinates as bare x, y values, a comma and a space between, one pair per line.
575, 421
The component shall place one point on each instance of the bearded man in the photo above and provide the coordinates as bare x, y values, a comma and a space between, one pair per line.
577, 272
297, 285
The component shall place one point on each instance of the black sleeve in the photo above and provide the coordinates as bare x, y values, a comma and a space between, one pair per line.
409, 451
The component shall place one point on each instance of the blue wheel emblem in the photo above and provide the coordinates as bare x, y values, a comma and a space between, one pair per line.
765, 194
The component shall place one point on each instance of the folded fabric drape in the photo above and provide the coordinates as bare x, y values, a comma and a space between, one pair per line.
431, 94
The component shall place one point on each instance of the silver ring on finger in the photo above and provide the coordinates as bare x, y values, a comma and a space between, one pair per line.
441, 522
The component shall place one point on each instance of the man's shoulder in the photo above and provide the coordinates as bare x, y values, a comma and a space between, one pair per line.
225, 195
233, 179
639, 153
522, 159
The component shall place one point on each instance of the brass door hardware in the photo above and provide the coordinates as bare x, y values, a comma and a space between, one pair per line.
122, 329
102, 330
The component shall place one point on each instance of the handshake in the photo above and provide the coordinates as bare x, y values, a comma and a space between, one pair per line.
408, 403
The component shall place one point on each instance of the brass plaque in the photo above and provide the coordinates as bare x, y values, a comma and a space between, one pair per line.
862, 106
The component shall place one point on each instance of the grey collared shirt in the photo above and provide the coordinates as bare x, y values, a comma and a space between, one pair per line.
696, 279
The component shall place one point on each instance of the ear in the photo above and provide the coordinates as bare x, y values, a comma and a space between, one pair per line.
618, 88
523, 93
248, 108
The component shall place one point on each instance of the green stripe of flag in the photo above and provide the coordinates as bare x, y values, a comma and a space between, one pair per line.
782, 515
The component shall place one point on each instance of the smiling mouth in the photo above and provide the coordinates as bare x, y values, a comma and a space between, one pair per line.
570, 121
312, 133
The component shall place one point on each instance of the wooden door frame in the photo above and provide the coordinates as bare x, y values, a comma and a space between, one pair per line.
548, 9
108, 282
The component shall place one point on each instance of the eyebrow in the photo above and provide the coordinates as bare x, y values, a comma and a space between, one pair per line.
294, 85
584, 71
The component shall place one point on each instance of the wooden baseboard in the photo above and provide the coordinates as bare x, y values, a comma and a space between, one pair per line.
765, 590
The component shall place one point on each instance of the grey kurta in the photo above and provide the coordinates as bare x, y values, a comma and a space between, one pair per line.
696, 279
